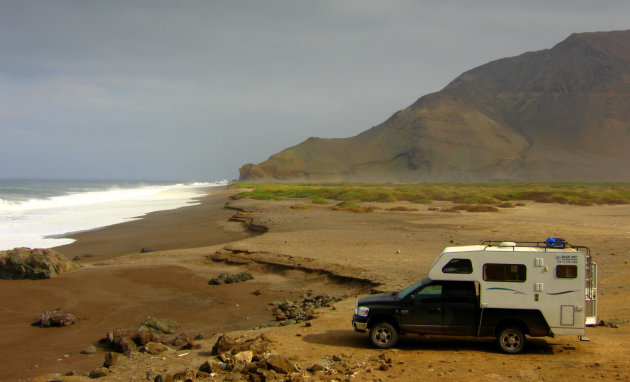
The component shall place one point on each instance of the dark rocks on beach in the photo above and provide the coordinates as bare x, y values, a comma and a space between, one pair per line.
612, 323
35, 264
291, 312
126, 341
229, 278
55, 318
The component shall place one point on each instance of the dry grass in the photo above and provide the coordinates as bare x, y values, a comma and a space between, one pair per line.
402, 208
351, 207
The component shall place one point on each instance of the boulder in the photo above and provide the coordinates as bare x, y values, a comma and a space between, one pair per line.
224, 344
279, 364
243, 357
155, 348
182, 341
35, 264
55, 318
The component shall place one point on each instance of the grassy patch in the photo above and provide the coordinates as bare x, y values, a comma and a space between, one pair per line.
585, 194
402, 208
351, 207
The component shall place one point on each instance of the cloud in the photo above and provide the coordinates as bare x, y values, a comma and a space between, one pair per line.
192, 90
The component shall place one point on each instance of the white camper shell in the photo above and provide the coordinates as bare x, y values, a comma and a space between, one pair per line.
559, 280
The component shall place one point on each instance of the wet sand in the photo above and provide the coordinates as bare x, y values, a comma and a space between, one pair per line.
200, 225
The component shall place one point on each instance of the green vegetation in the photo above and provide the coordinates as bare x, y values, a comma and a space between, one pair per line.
351, 207
582, 194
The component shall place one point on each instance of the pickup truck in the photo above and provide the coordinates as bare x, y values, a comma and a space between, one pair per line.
444, 307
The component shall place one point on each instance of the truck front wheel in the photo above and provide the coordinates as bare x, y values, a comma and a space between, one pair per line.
383, 335
511, 340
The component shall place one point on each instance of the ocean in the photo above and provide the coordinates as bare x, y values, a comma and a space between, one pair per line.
37, 213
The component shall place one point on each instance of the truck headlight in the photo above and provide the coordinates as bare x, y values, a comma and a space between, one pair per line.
362, 311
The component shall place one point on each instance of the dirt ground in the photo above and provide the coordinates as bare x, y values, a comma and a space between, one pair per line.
340, 253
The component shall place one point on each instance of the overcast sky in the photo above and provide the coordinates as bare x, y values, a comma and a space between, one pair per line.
192, 90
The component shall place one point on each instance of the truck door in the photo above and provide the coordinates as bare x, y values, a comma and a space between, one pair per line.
422, 310
459, 307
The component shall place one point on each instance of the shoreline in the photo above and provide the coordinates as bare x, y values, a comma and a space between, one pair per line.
199, 225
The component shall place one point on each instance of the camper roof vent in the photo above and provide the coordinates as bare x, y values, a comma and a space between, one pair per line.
507, 244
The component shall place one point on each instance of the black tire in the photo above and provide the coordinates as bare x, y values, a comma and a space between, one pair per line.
511, 340
383, 335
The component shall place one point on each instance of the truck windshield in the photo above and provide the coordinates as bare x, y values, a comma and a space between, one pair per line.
403, 293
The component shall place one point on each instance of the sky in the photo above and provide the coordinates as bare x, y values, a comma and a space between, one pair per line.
192, 90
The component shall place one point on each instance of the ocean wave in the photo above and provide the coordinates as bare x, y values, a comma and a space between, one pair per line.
110, 195
40, 222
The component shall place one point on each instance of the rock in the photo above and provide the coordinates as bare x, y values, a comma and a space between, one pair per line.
111, 359
125, 341
155, 348
210, 366
35, 264
164, 377
224, 344
142, 337
229, 278
258, 346
182, 341
185, 375
279, 364
243, 357
147, 250
99, 373
89, 350
55, 318
159, 325
316, 367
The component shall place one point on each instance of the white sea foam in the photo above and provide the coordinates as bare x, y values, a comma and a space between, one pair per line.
32, 223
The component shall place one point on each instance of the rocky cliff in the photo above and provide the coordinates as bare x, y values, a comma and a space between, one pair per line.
560, 114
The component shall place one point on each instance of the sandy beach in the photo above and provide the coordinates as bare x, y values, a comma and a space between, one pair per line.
306, 247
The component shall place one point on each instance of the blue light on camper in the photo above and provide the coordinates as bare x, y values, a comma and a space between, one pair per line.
555, 242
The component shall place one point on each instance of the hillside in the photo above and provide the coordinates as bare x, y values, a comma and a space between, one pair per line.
560, 114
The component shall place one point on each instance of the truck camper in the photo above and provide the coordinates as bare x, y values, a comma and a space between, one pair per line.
503, 289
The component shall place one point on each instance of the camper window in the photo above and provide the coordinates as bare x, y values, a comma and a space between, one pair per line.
566, 271
463, 266
505, 272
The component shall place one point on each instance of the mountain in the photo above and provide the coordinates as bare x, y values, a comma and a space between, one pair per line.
560, 114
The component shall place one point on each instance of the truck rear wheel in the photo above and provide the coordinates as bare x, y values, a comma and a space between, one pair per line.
383, 335
511, 340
